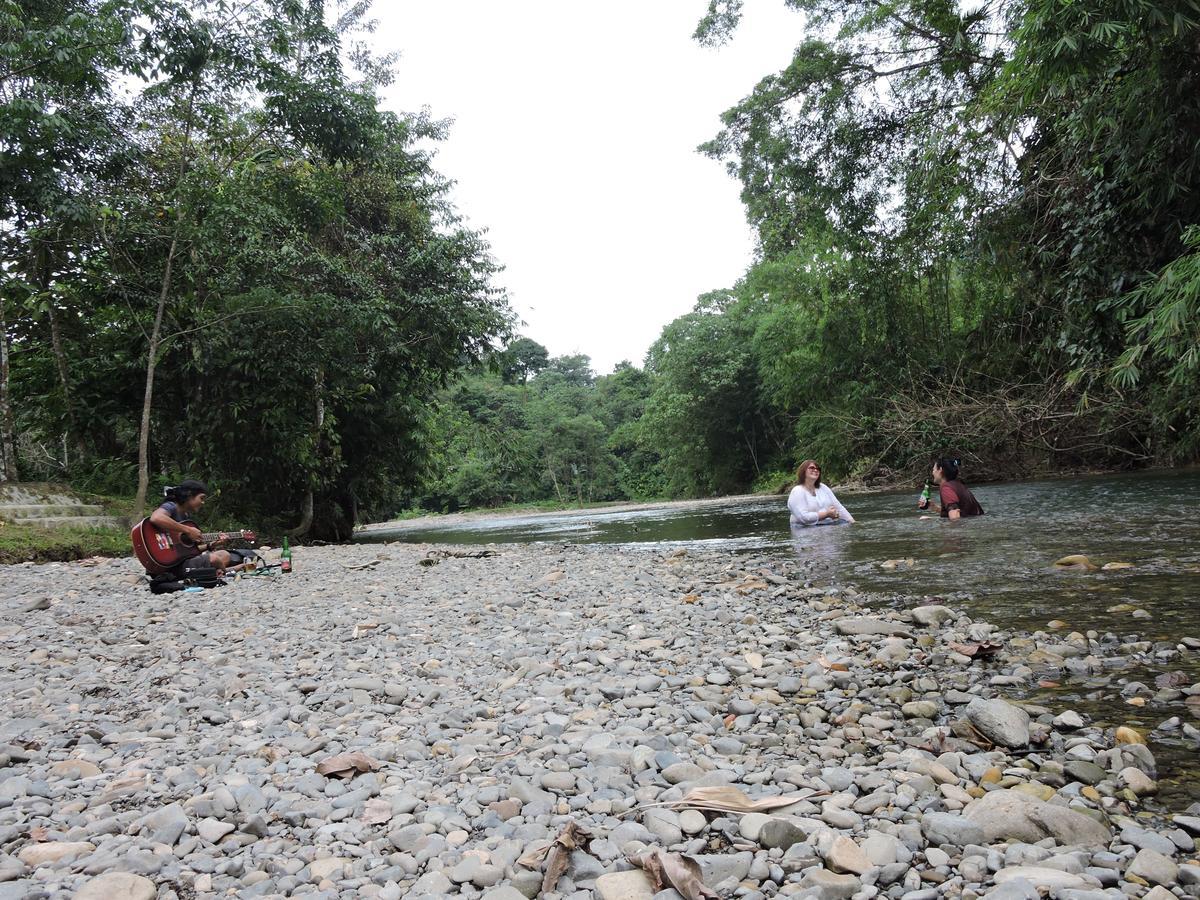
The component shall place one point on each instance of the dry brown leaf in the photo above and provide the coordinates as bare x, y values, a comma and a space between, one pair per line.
824, 662
726, 798
572, 837
750, 585
673, 870
976, 651
346, 765
690, 598
377, 811
729, 720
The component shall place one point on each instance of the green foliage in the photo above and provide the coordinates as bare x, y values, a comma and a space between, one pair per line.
26, 543
321, 288
565, 436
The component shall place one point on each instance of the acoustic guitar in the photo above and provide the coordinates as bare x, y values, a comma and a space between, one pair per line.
161, 551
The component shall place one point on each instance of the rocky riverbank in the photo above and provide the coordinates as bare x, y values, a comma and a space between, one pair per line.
386, 723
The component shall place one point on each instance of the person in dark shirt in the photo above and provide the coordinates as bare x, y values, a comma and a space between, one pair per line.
957, 501
183, 501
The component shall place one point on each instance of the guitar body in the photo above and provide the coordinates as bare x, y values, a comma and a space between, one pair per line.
161, 551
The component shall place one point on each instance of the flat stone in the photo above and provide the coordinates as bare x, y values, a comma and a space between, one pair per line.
847, 857
931, 615
117, 886
1154, 867
632, 885
869, 626
951, 829
1011, 815
692, 821
1042, 877
34, 855
320, 869
828, 885
75, 769
212, 830
999, 721
780, 833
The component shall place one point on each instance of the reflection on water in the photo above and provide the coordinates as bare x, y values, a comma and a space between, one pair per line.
998, 567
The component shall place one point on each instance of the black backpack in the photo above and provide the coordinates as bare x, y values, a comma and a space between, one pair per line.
169, 582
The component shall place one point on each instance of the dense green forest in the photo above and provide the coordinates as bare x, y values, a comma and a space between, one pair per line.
978, 229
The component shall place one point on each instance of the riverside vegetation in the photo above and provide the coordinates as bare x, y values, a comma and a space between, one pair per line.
976, 224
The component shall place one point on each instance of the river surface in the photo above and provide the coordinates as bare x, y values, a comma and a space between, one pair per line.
999, 567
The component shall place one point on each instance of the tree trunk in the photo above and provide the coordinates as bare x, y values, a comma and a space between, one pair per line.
44, 276
306, 513
60, 360
139, 502
8, 453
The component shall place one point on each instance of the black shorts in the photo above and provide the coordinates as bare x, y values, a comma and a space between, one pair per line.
199, 561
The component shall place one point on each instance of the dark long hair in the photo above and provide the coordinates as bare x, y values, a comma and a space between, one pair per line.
800, 472
185, 490
949, 466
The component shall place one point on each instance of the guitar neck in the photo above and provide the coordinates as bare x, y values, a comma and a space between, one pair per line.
219, 535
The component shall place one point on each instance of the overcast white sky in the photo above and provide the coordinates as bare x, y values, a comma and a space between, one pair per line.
575, 128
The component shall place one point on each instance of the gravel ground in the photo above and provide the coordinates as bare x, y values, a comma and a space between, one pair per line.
391, 721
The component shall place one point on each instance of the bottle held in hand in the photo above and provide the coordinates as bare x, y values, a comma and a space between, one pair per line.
923, 500
285, 557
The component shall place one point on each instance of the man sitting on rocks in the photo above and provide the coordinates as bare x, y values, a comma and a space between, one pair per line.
184, 500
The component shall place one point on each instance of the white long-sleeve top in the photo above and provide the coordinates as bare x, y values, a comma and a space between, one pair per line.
804, 506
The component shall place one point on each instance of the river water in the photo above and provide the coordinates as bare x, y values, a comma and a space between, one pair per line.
999, 567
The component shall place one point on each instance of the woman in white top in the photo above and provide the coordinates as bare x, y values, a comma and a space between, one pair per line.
813, 503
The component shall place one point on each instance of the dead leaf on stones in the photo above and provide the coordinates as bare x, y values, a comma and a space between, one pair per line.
377, 811
558, 854
750, 585
690, 598
976, 651
833, 666
729, 720
673, 870
346, 765
726, 798
364, 628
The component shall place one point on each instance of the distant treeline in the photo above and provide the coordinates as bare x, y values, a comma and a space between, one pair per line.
978, 229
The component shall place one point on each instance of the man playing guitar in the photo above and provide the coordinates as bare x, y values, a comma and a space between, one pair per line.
182, 501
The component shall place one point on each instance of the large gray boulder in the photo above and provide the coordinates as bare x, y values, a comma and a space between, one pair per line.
999, 721
1014, 816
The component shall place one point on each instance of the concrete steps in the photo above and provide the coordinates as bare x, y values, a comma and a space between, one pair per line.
51, 506
68, 521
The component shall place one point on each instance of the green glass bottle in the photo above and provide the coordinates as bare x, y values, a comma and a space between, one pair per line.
923, 502
285, 557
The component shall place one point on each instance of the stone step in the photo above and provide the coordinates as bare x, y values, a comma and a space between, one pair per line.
22, 511
76, 522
